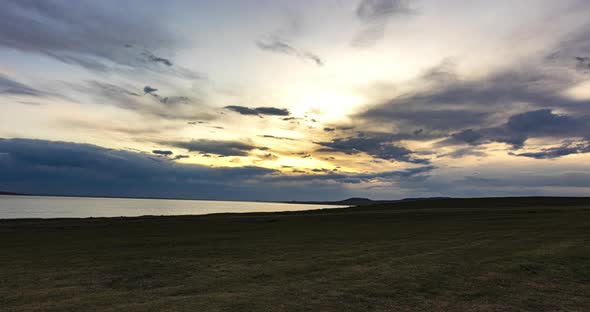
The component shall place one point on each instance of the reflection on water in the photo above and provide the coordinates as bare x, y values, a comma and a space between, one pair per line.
13, 207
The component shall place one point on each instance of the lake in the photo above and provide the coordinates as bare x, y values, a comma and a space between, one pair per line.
17, 207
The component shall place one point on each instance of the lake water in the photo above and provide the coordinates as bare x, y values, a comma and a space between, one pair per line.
16, 207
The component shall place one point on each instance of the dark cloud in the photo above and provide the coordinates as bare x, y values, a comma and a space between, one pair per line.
329, 129
545, 122
242, 110
11, 87
466, 151
269, 156
177, 157
86, 34
148, 89
257, 111
519, 128
583, 62
509, 106
268, 136
156, 59
278, 45
324, 170
370, 11
171, 100
222, 148
168, 100
451, 103
46, 167
468, 136
162, 152
35, 166
375, 14
272, 111
303, 154
556, 152
379, 146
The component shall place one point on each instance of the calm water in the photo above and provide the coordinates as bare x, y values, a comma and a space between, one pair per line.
13, 207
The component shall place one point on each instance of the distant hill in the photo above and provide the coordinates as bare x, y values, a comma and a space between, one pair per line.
483, 202
354, 201
9, 193
450, 202
361, 201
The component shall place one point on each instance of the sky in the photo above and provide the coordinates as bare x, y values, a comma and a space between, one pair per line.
295, 100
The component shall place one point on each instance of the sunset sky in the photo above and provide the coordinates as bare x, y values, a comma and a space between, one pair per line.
295, 100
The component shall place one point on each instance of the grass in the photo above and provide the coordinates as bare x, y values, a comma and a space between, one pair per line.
428, 256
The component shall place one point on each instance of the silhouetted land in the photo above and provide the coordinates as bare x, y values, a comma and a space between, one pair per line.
505, 254
9, 193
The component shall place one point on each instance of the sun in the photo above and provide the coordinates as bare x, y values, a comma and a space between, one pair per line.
325, 105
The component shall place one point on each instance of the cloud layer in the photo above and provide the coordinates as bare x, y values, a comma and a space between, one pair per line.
407, 107
47, 167
98, 38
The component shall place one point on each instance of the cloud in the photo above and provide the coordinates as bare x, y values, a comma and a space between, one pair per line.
455, 104
556, 152
177, 157
370, 11
269, 156
268, 136
278, 45
172, 100
520, 127
270, 111
468, 136
462, 152
162, 152
573, 50
11, 87
46, 167
507, 106
89, 35
156, 59
132, 98
376, 145
417, 173
545, 122
375, 14
65, 168
222, 148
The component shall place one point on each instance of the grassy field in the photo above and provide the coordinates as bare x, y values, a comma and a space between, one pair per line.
440, 255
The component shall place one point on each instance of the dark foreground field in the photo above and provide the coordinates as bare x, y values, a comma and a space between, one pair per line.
427, 256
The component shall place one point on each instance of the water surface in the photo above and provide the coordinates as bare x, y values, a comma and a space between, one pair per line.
16, 207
